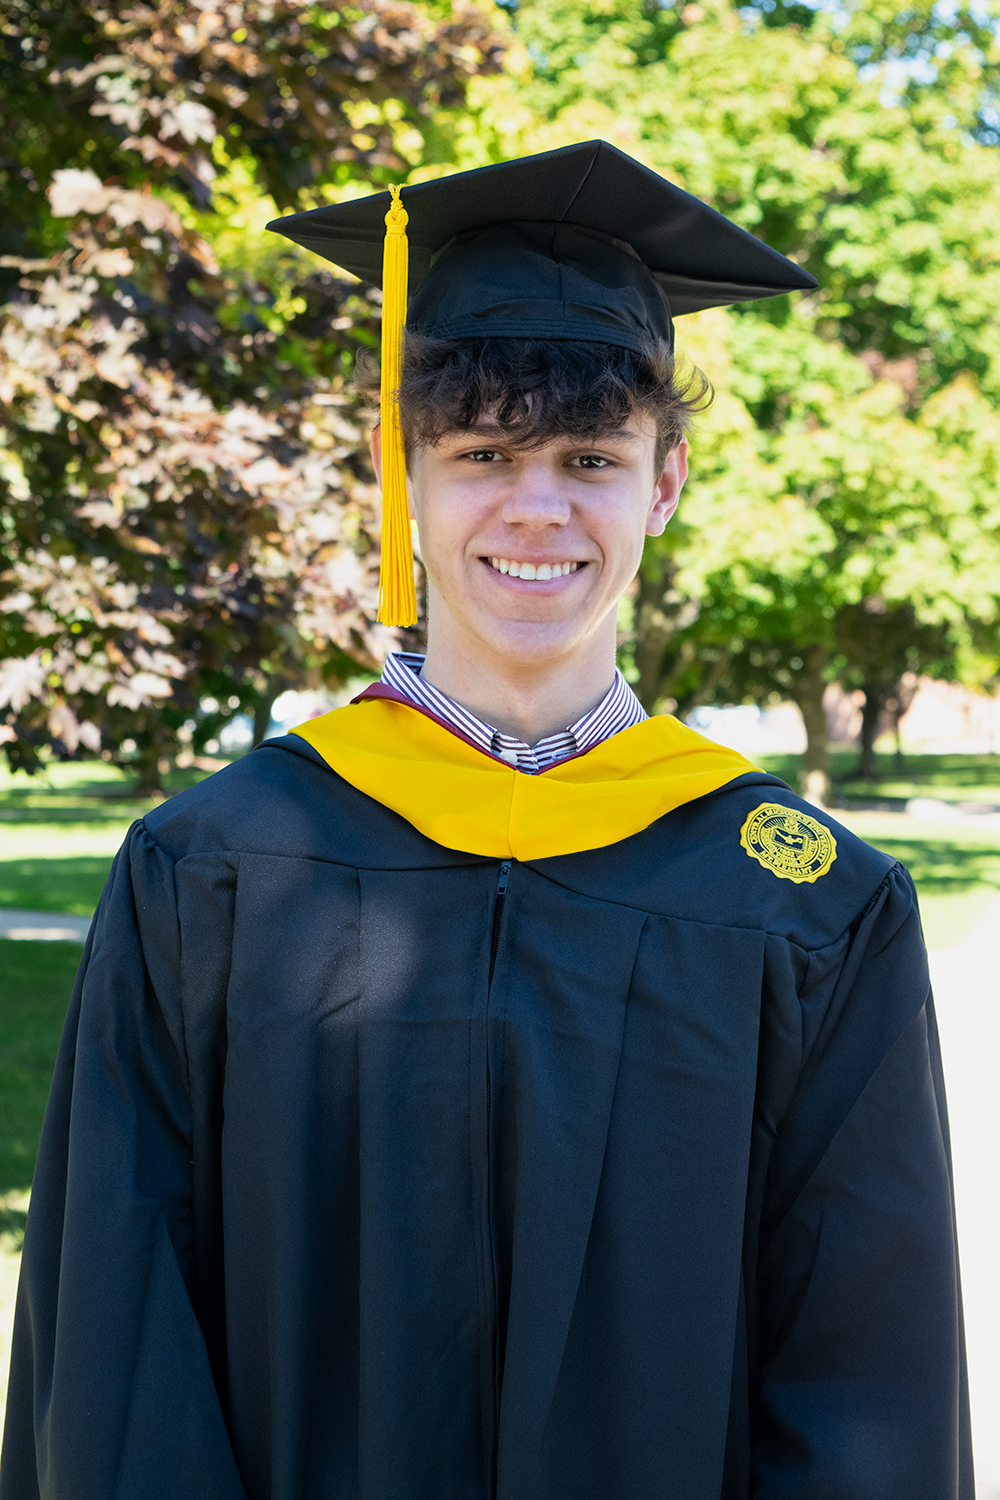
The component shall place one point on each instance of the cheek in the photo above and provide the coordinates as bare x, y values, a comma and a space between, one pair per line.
620, 532
446, 523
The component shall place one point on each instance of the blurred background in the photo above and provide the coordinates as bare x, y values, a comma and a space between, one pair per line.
188, 523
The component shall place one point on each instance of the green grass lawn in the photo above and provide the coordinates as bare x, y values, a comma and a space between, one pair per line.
35, 984
951, 778
46, 884
956, 868
79, 792
59, 832
13, 1212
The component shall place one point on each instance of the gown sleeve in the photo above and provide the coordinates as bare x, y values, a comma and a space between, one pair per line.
111, 1391
863, 1393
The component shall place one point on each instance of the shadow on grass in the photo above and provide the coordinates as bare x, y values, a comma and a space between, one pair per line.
920, 774
966, 772
72, 884
36, 981
945, 867
56, 797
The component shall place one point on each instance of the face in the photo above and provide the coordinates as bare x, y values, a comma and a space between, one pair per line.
528, 553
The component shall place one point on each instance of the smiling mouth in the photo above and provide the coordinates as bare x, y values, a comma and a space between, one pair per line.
539, 571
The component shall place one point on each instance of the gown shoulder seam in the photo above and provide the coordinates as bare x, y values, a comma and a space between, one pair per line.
838, 937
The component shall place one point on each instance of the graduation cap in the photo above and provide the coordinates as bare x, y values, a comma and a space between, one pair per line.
580, 243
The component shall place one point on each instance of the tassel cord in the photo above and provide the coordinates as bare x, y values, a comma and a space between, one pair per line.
397, 593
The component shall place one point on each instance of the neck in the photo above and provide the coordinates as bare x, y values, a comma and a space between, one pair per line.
528, 700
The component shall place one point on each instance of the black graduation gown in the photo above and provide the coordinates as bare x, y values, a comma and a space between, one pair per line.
664, 1213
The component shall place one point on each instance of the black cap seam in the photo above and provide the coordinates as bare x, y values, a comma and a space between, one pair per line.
593, 162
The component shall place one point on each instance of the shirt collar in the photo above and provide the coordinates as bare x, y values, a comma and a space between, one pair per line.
619, 709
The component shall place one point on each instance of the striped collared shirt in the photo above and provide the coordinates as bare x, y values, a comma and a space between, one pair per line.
619, 709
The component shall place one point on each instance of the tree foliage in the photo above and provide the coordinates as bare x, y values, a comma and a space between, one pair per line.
188, 513
847, 477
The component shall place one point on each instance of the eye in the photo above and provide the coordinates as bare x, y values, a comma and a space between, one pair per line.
591, 461
484, 455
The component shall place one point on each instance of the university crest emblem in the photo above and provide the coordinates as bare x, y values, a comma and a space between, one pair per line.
790, 844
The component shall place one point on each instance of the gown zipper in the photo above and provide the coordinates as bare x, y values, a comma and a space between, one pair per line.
501, 896
505, 865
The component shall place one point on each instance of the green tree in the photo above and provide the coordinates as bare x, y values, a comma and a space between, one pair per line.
854, 455
888, 649
849, 465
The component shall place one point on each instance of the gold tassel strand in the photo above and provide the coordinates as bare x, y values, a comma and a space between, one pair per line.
397, 598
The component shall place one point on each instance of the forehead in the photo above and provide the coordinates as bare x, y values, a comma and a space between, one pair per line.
633, 435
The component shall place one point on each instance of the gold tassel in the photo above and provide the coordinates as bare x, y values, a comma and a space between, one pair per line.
397, 598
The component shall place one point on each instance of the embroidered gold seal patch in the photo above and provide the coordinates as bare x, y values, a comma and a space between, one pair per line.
790, 844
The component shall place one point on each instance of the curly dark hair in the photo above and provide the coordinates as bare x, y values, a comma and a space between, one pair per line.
539, 389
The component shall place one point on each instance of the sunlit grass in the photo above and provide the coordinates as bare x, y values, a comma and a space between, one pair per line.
13, 1212
985, 794
943, 858
960, 778
60, 829
79, 792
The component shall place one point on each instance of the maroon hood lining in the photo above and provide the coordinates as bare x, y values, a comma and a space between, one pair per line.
382, 690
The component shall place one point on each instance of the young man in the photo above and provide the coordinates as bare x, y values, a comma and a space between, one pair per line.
488, 1091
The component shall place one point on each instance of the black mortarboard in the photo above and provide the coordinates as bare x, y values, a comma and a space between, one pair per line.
580, 243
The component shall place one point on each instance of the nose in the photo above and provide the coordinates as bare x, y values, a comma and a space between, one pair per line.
536, 498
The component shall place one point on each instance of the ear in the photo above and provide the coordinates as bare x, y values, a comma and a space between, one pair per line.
668, 489
375, 447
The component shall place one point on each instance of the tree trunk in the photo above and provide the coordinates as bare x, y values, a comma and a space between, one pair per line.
264, 706
661, 617
899, 707
867, 766
653, 629
148, 771
810, 685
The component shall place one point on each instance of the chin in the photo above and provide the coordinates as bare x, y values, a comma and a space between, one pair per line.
530, 642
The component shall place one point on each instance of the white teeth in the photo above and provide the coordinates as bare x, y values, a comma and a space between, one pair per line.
540, 571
